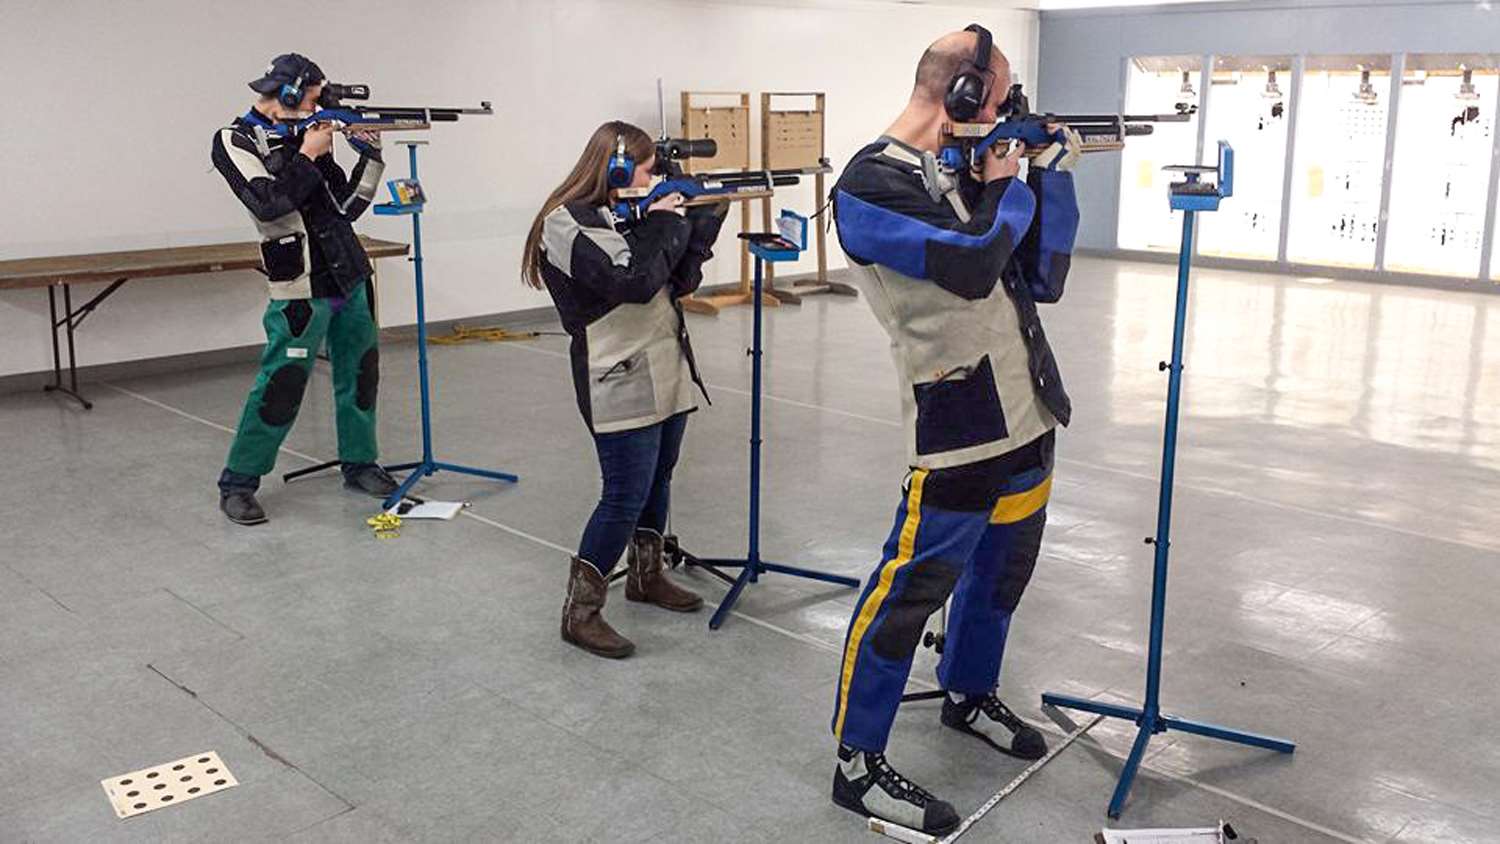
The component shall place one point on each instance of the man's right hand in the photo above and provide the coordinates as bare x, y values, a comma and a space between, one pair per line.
317, 141
1003, 166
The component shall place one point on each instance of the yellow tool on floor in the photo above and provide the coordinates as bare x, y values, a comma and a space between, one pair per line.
385, 525
464, 333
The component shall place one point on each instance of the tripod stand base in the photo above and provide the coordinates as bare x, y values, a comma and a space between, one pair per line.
750, 571
1149, 726
676, 557
330, 464
431, 467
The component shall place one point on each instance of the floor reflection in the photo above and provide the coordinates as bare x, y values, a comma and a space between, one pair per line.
1399, 366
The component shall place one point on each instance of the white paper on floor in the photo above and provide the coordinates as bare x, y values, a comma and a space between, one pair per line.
167, 784
427, 509
1198, 835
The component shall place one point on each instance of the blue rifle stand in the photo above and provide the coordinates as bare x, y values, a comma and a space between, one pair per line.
1190, 196
428, 465
765, 247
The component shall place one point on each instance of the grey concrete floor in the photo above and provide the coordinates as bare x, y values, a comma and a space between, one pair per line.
1334, 581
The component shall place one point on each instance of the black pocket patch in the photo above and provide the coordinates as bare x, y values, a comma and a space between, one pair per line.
368, 382
282, 256
959, 410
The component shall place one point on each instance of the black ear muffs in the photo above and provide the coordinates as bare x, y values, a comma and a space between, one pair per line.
621, 169
967, 90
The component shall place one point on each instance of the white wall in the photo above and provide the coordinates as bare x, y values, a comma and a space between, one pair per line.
110, 151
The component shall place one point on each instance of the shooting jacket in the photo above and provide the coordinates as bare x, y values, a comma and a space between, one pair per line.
616, 288
304, 209
953, 273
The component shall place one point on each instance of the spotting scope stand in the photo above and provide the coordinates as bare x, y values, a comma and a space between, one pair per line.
1192, 195
408, 199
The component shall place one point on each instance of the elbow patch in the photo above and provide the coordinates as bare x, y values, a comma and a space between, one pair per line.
968, 274
1057, 224
920, 249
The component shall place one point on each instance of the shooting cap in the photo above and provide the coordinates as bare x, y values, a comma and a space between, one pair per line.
286, 69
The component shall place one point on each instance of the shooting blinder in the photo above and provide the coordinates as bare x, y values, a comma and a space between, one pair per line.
968, 88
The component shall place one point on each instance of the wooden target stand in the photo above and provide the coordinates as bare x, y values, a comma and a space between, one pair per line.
726, 120
792, 137
790, 140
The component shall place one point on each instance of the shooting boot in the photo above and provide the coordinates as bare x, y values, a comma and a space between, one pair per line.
866, 784
1013, 737
369, 478
240, 506
582, 624
647, 579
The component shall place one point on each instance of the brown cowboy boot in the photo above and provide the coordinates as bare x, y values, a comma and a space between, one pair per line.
582, 625
647, 579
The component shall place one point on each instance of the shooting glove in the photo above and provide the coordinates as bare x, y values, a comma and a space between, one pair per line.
365, 143
706, 221
1061, 155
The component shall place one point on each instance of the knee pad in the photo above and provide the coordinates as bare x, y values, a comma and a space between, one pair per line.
283, 395
924, 591
298, 313
368, 382
1020, 561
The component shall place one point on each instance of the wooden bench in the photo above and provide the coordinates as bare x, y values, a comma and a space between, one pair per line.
116, 268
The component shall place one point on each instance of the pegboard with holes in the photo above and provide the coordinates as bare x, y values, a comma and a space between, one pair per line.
723, 117
167, 784
791, 134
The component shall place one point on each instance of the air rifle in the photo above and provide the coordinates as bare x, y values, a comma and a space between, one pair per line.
964, 144
369, 118
702, 189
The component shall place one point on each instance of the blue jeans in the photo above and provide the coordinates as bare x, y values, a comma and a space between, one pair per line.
637, 469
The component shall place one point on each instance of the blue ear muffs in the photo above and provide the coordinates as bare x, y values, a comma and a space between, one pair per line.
290, 94
621, 169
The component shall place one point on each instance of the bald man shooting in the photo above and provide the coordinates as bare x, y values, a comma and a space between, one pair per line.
953, 265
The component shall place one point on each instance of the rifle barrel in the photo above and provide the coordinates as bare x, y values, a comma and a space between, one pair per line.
422, 112
1071, 119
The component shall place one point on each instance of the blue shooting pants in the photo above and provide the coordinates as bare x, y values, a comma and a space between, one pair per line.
983, 558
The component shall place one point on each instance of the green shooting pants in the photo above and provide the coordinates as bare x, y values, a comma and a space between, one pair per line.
294, 331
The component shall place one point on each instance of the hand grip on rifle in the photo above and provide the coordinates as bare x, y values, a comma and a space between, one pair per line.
317, 140
1060, 155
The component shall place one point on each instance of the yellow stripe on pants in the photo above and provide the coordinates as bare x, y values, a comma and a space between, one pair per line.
1015, 508
904, 549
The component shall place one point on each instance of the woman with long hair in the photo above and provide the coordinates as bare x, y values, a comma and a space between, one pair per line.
616, 284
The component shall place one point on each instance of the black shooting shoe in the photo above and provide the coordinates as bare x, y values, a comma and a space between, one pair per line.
1013, 736
242, 508
370, 478
866, 784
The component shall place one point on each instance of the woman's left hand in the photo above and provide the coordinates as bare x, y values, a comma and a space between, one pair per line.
672, 203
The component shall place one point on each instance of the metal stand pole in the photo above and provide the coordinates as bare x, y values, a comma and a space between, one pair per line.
428, 465
752, 566
1149, 717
